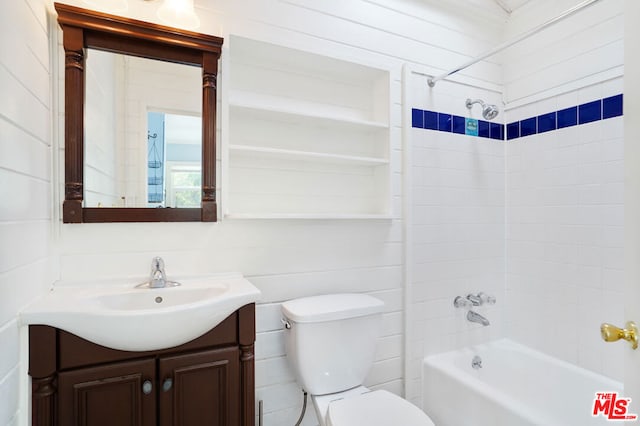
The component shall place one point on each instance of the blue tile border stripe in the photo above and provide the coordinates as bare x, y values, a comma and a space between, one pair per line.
443, 122
600, 109
589, 112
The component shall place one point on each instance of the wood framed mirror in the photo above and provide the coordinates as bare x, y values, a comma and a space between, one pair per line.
85, 29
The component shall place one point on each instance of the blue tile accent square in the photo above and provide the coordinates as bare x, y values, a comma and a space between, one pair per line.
431, 120
546, 122
567, 117
471, 126
459, 124
591, 111
417, 118
483, 129
528, 126
496, 131
445, 123
612, 106
513, 130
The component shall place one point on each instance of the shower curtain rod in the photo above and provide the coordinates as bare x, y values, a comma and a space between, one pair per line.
432, 81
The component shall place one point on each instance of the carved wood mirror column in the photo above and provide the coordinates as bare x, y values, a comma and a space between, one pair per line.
85, 29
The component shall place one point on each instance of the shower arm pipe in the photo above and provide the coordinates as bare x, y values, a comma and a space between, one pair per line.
432, 81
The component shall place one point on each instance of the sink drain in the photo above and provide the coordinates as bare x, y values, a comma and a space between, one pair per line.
158, 299
476, 362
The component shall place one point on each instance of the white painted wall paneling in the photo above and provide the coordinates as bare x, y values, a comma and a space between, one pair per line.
581, 47
25, 190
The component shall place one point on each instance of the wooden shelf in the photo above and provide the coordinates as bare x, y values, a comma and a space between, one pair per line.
309, 136
287, 154
268, 109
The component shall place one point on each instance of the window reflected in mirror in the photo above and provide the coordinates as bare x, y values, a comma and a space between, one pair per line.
174, 172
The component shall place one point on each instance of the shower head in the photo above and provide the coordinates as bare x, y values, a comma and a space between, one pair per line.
489, 111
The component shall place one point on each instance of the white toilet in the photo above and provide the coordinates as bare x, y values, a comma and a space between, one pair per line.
330, 343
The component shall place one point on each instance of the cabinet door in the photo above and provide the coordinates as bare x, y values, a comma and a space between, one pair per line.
120, 394
201, 388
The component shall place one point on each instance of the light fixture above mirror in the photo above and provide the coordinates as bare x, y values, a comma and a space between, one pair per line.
175, 13
179, 13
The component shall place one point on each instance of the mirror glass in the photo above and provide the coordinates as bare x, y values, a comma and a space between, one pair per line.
143, 132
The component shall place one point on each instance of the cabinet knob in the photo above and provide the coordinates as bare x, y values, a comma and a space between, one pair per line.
167, 384
147, 387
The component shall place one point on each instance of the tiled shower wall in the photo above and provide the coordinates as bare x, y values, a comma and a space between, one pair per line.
560, 272
564, 187
456, 233
565, 217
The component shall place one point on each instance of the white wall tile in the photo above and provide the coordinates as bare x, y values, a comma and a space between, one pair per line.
457, 231
581, 184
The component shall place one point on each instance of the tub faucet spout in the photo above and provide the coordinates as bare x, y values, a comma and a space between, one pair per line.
476, 317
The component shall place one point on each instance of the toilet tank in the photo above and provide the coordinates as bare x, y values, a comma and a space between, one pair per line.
330, 340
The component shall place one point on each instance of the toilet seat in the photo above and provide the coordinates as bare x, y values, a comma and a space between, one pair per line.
377, 408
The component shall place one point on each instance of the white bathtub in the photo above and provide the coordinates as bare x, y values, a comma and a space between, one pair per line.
515, 386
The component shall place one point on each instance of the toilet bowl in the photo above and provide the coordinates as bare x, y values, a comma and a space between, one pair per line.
330, 343
362, 406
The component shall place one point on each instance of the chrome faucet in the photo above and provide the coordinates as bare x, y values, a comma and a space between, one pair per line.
475, 299
158, 278
472, 300
485, 298
476, 317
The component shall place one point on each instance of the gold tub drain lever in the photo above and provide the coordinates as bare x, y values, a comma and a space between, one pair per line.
611, 333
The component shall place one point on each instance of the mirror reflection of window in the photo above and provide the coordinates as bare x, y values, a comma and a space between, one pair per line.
174, 172
183, 185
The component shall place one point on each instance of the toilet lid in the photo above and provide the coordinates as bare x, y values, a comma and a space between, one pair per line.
377, 408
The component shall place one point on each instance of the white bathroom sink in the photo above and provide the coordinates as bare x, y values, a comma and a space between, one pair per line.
135, 300
123, 317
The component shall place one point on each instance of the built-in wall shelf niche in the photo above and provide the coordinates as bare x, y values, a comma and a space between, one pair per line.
308, 135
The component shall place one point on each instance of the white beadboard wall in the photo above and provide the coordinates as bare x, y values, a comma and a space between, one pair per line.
456, 227
294, 258
585, 48
25, 176
564, 189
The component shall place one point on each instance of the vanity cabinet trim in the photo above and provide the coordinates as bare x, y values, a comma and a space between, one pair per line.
246, 339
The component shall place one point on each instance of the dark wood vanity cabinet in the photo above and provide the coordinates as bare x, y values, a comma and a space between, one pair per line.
203, 388
208, 381
110, 394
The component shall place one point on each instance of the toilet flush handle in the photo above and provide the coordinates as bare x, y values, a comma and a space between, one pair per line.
286, 323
